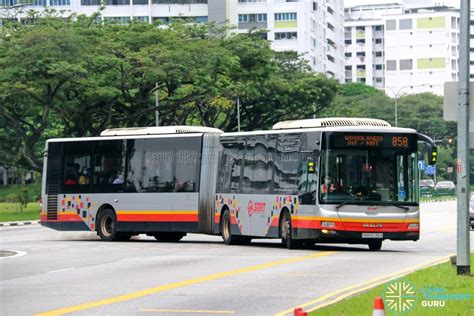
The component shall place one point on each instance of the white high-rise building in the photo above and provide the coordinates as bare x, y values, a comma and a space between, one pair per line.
364, 42
313, 28
405, 50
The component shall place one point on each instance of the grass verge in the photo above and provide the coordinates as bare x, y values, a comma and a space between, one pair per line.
10, 212
441, 278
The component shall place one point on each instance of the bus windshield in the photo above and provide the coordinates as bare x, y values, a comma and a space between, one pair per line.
375, 169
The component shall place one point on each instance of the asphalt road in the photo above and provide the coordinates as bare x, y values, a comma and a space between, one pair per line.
70, 272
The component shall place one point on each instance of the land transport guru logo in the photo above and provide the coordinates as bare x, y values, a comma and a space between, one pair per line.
400, 296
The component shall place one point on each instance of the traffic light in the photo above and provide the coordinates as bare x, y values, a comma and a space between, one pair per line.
432, 155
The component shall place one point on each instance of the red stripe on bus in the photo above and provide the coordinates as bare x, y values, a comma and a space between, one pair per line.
62, 218
353, 226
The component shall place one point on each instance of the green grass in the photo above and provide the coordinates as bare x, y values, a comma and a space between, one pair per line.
7, 191
10, 212
439, 276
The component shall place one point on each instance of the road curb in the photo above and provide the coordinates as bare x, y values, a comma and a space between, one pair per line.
24, 223
350, 291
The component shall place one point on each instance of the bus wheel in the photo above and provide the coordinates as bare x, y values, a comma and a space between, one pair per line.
226, 230
286, 232
375, 245
169, 237
107, 226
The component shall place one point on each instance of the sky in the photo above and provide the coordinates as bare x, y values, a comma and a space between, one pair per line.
451, 3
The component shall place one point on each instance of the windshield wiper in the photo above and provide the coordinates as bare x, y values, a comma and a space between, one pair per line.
405, 208
354, 198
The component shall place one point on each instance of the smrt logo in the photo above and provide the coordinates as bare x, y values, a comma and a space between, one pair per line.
250, 208
255, 208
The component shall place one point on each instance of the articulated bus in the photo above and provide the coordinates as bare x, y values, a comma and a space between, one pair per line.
338, 180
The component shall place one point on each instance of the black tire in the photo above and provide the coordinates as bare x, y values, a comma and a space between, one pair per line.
107, 226
286, 232
375, 245
169, 237
226, 231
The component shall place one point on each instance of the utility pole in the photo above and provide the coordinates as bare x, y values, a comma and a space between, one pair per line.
463, 189
238, 114
157, 105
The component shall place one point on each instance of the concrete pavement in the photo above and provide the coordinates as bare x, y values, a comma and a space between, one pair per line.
199, 275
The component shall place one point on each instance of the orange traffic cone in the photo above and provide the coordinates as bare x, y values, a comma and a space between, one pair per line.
299, 312
379, 309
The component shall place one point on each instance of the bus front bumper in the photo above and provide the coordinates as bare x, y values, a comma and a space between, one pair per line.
343, 236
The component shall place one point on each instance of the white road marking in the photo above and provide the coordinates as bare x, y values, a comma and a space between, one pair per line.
60, 270
18, 254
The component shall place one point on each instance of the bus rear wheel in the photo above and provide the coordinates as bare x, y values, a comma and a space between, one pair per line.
107, 227
169, 237
286, 232
375, 245
226, 230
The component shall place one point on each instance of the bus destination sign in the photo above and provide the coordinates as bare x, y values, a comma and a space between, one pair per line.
372, 140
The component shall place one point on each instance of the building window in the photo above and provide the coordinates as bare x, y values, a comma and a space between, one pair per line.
391, 65
118, 2
379, 67
378, 80
360, 41
59, 2
378, 27
406, 64
250, 1
378, 41
360, 54
378, 54
453, 64
246, 18
41, 3
391, 25
348, 55
90, 2
117, 19
140, 2
348, 42
405, 24
291, 16
348, 67
143, 19
362, 80
286, 36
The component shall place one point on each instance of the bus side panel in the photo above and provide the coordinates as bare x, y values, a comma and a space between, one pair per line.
255, 215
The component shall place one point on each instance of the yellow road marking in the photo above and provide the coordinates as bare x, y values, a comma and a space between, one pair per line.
189, 311
357, 287
315, 275
175, 285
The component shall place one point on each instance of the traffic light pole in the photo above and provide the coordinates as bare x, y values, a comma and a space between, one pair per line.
463, 170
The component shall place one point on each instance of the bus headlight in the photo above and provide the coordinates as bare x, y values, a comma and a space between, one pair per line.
413, 226
328, 224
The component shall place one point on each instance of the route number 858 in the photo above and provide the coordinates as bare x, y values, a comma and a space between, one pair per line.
399, 141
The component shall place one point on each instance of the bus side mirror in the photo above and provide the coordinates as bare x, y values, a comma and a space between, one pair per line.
433, 156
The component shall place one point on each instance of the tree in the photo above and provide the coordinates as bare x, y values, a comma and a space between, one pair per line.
64, 77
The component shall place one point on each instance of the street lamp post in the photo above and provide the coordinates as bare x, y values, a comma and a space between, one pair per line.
396, 95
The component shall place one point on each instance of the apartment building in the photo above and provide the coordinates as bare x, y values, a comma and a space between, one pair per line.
364, 40
313, 28
402, 51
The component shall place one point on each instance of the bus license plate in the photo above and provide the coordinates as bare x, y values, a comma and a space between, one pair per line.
372, 235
